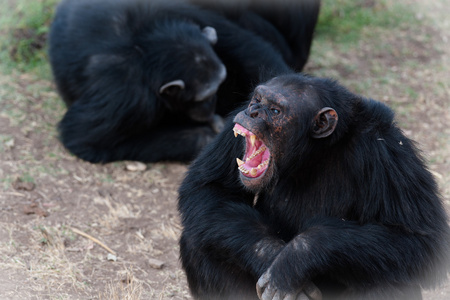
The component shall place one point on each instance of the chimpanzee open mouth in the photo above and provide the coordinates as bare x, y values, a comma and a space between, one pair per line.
257, 155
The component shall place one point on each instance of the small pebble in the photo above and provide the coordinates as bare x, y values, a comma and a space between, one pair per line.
155, 264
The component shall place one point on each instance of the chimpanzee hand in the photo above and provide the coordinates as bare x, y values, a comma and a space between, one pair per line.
267, 290
285, 278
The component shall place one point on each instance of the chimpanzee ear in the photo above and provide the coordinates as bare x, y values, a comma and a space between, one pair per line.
324, 123
172, 88
210, 34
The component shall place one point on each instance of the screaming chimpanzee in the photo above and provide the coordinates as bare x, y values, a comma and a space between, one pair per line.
140, 77
328, 198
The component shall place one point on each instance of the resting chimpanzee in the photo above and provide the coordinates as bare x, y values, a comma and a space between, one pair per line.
140, 77
327, 193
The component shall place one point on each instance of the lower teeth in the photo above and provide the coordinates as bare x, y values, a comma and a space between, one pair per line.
254, 171
256, 153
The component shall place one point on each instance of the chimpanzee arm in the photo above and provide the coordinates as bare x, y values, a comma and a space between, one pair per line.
244, 50
295, 21
97, 133
288, 25
217, 212
353, 254
252, 53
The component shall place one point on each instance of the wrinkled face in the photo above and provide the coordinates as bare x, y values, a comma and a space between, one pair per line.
267, 126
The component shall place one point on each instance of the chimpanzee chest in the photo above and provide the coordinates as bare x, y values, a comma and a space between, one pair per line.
284, 218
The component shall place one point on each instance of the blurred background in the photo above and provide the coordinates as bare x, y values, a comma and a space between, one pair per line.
393, 51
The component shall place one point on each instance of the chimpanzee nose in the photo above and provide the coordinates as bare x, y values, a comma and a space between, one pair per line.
253, 111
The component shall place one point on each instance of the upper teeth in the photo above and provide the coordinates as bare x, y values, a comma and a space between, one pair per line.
237, 131
252, 136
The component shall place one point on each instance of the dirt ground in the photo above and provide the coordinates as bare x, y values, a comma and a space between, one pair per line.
49, 199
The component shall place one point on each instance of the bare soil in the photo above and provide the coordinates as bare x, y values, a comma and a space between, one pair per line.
47, 196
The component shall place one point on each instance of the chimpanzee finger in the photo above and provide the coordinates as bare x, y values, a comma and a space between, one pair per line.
278, 295
270, 293
302, 296
312, 291
261, 284
290, 296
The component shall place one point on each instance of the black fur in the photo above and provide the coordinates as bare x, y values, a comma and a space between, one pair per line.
111, 57
357, 213
288, 25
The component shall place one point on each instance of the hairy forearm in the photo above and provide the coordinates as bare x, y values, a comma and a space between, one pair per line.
351, 253
236, 232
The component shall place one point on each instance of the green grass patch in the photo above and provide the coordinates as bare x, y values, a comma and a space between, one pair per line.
342, 21
6, 141
24, 26
6, 182
26, 177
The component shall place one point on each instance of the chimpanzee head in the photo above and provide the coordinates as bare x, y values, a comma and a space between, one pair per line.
284, 118
189, 70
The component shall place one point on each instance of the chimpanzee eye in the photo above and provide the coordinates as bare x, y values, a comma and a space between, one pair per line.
275, 111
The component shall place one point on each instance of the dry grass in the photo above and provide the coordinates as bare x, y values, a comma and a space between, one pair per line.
128, 289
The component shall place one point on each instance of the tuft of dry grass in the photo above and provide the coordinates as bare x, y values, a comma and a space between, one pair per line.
128, 288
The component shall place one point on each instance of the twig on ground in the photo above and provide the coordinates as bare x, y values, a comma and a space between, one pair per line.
93, 239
